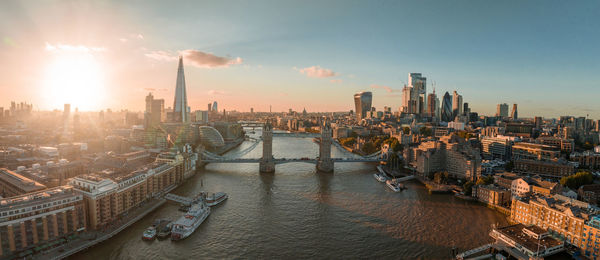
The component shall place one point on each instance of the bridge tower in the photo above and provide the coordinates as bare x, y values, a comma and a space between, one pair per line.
266, 163
325, 163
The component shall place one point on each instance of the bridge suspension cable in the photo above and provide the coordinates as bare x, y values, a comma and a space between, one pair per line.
236, 155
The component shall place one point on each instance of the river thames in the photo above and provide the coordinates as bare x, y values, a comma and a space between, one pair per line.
299, 213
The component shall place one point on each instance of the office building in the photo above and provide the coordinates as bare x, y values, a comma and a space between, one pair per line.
496, 147
446, 111
413, 96
155, 111
533, 151
502, 110
514, 114
544, 168
456, 104
362, 103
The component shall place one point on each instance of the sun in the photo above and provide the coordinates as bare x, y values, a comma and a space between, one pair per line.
76, 78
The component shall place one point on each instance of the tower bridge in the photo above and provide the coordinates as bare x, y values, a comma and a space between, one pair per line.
324, 162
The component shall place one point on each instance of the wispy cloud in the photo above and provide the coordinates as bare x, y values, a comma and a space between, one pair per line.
73, 48
387, 88
195, 58
317, 72
335, 80
208, 60
218, 92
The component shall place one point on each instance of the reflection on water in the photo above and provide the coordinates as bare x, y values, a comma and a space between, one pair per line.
299, 213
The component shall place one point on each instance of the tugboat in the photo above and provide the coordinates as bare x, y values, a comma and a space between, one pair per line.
216, 198
164, 229
187, 224
394, 185
149, 234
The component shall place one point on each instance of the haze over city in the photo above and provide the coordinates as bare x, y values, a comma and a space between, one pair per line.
104, 54
299, 129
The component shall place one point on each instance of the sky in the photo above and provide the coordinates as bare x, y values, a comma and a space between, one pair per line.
542, 55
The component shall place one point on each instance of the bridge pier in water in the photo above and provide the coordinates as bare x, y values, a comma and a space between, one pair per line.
325, 163
266, 163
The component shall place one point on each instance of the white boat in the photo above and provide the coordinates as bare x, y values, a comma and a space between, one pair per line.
379, 177
216, 198
394, 185
188, 223
149, 234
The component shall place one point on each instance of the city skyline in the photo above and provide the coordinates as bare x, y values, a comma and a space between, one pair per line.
492, 62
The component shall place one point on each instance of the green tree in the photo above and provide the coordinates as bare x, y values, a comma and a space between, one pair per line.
369, 148
485, 180
406, 130
425, 131
468, 188
509, 166
440, 177
577, 180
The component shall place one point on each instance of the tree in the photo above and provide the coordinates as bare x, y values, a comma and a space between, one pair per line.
468, 188
577, 180
369, 148
425, 131
440, 177
485, 180
406, 130
509, 166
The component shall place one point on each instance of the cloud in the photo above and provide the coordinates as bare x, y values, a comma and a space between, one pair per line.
149, 89
161, 56
196, 58
218, 92
138, 36
388, 89
335, 80
208, 60
73, 48
317, 72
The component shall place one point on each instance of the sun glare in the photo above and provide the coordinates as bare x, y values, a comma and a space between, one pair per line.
75, 78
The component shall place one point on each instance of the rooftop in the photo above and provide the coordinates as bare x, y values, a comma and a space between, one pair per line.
20, 181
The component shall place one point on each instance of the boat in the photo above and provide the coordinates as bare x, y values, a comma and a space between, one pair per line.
188, 223
394, 185
379, 177
216, 198
149, 234
164, 229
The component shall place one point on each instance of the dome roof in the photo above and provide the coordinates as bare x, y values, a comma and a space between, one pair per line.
211, 137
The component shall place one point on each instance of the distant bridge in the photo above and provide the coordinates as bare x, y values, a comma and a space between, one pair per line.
267, 163
290, 160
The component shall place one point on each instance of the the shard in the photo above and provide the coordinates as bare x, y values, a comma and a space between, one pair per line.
180, 106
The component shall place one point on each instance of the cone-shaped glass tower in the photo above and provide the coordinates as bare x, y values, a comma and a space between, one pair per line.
180, 104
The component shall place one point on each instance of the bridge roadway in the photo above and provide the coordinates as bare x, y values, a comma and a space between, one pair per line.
286, 160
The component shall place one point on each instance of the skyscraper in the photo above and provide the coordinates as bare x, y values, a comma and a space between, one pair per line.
413, 96
155, 109
502, 110
456, 104
362, 103
514, 113
431, 104
180, 105
447, 108
214, 107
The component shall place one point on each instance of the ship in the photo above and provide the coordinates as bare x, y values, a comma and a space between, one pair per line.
379, 177
188, 223
164, 229
216, 198
394, 185
149, 234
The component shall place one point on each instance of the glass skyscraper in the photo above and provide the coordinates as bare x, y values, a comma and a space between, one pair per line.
362, 102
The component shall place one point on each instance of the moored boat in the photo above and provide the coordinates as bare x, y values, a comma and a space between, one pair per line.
149, 234
394, 185
188, 223
379, 177
164, 229
216, 198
